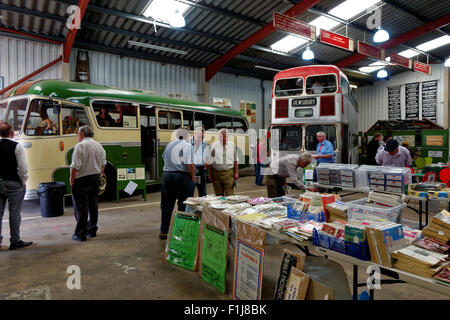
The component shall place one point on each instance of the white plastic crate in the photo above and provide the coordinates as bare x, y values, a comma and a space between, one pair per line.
358, 210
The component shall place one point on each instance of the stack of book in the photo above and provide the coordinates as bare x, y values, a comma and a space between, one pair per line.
385, 199
443, 277
420, 261
383, 240
439, 228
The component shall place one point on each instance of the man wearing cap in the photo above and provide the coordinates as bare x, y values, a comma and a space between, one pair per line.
393, 155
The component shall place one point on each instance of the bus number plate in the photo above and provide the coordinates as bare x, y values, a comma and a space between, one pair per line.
304, 102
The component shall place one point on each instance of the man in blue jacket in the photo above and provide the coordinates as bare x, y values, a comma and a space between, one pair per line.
324, 149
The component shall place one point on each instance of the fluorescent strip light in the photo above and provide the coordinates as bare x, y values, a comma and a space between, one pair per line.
345, 10
433, 44
151, 46
267, 68
353, 86
409, 53
351, 8
288, 43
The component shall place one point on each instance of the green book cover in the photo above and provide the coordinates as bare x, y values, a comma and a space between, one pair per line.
354, 234
184, 240
214, 256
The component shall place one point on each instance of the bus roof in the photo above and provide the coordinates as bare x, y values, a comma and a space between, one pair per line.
305, 71
83, 92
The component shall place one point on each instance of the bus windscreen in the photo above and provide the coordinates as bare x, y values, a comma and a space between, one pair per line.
289, 87
321, 84
289, 137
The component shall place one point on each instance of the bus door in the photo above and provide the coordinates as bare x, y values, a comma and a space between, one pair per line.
149, 141
345, 144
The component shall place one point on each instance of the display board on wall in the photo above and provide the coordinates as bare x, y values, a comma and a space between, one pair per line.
394, 106
223, 102
412, 101
248, 109
177, 95
429, 99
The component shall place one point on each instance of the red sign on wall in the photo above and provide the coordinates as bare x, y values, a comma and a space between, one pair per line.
371, 51
401, 61
336, 40
422, 67
292, 25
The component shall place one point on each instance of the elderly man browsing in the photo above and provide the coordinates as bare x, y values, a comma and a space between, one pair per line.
286, 167
393, 155
324, 149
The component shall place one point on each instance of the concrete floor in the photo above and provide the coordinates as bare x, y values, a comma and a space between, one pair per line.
125, 260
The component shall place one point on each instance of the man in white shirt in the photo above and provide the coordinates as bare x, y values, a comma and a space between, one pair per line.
316, 88
88, 163
223, 169
13, 177
200, 152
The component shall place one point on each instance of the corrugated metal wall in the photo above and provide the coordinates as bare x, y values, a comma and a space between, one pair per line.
19, 58
373, 100
131, 73
237, 88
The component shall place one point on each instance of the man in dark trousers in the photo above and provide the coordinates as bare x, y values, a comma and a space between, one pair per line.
372, 149
178, 177
88, 163
13, 176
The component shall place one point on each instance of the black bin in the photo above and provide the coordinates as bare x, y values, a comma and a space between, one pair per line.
51, 196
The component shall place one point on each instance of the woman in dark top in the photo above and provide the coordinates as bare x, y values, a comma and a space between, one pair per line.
104, 119
372, 149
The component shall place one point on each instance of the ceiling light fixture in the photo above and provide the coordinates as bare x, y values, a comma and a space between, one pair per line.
381, 36
168, 11
308, 54
151, 46
267, 68
447, 62
382, 74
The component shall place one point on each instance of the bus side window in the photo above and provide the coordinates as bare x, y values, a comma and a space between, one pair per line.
174, 120
73, 117
41, 120
207, 120
188, 119
17, 109
239, 124
115, 114
163, 119
223, 122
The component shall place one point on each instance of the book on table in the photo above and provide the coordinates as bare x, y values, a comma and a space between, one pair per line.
443, 276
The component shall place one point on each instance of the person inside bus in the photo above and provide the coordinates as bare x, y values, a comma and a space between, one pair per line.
316, 88
104, 119
372, 149
280, 170
47, 125
324, 149
393, 155
119, 109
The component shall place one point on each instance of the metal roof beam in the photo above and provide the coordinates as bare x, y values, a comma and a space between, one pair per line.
140, 35
262, 33
399, 40
412, 13
223, 12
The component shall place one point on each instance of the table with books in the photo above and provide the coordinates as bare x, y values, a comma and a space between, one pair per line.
363, 232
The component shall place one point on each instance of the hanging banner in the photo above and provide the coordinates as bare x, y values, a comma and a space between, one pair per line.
394, 106
401, 61
336, 40
292, 25
223, 102
371, 51
429, 99
422, 67
412, 101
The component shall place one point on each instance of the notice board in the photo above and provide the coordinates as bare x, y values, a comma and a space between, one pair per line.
429, 99
394, 107
412, 101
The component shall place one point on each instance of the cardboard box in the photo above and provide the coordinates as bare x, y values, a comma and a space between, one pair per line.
297, 286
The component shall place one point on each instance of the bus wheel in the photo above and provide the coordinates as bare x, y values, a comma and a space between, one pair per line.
107, 189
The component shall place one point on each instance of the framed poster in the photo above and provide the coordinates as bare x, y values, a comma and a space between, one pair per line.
223, 102
429, 99
412, 101
248, 109
394, 103
248, 272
